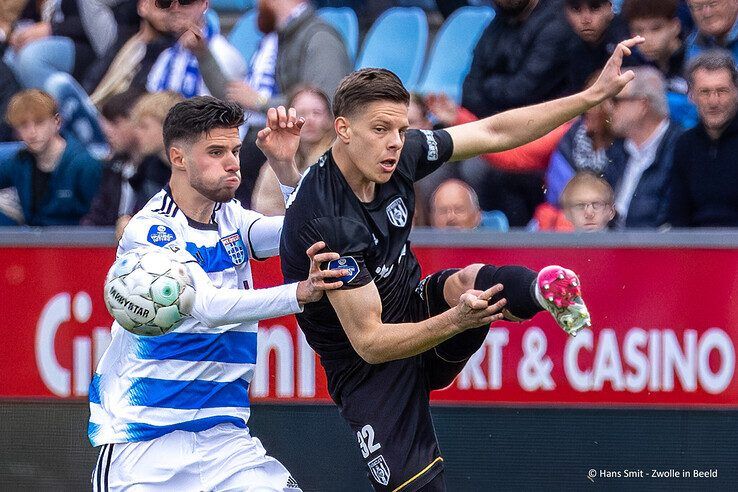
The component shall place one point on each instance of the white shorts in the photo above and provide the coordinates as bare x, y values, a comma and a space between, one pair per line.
222, 458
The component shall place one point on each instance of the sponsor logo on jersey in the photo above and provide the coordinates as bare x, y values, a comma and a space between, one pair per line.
380, 470
432, 145
345, 263
397, 212
159, 235
235, 248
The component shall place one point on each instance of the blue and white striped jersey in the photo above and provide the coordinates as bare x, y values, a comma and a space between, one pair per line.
198, 375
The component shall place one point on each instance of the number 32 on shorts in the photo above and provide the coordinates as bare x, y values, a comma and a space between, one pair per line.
366, 441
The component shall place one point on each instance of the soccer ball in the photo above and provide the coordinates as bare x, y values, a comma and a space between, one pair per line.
148, 291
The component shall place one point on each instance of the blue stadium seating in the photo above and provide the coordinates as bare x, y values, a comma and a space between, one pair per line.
346, 23
397, 42
245, 36
231, 5
452, 52
212, 19
9, 149
495, 220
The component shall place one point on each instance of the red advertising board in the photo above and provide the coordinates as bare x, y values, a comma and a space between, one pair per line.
665, 328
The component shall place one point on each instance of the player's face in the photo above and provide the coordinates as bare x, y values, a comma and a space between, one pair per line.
318, 121
588, 209
376, 137
212, 165
453, 207
714, 17
589, 22
38, 134
661, 36
716, 97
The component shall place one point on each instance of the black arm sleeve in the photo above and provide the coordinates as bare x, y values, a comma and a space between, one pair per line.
424, 152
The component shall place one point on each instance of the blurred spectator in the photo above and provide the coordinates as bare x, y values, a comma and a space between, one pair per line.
587, 145
54, 176
61, 36
588, 202
201, 62
127, 64
154, 170
316, 137
658, 22
705, 174
10, 10
599, 31
418, 114
455, 205
309, 52
510, 181
641, 173
8, 87
521, 58
115, 196
717, 26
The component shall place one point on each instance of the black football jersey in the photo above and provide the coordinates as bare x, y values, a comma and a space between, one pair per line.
372, 239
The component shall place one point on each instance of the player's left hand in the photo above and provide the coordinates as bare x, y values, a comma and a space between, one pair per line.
319, 281
612, 80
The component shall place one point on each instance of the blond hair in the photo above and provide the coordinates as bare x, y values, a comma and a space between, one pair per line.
30, 104
155, 105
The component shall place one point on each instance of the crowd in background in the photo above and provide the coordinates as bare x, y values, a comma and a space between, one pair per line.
85, 86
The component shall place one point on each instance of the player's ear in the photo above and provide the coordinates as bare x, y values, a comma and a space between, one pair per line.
343, 131
176, 158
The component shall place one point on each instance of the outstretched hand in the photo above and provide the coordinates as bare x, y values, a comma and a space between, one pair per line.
612, 80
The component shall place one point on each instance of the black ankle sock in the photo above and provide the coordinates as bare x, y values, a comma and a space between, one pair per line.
518, 288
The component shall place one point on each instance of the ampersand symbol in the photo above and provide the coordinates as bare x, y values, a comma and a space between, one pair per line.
534, 370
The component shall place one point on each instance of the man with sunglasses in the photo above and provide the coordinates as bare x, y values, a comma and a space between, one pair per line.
201, 61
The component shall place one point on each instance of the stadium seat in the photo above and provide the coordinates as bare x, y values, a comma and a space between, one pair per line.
495, 220
231, 5
8, 149
245, 35
346, 23
397, 42
452, 52
212, 19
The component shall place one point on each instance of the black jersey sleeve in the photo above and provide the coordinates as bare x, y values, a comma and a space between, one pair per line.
424, 152
349, 238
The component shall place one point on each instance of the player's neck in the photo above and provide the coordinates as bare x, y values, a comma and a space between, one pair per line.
363, 188
190, 202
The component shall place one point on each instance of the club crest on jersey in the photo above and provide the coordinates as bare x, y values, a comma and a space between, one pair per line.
397, 212
345, 263
235, 248
159, 235
380, 470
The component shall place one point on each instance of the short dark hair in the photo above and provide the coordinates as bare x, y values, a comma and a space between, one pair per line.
712, 60
649, 9
120, 105
365, 86
593, 4
189, 119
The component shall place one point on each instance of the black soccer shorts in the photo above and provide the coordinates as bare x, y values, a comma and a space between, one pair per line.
389, 410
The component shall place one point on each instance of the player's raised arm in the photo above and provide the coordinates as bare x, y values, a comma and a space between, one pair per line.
516, 127
279, 141
360, 313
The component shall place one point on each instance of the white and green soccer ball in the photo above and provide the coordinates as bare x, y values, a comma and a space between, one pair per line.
149, 291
